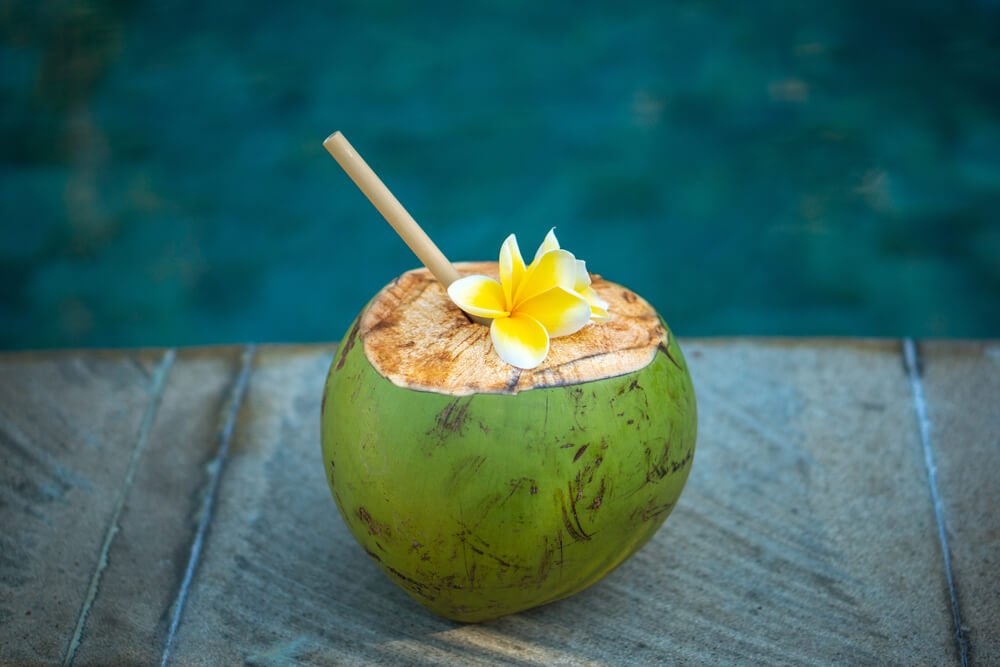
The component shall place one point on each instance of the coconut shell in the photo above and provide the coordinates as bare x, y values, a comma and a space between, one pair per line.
484, 490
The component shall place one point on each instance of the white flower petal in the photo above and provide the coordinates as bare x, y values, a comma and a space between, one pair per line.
598, 306
520, 340
549, 243
478, 295
582, 275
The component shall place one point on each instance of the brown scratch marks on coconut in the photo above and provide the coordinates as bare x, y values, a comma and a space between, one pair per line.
662, 466
500, 561
573, 526
451, 420
498, 500
352, 338
465, 471
471, 537
562, 559
677, 465
576, 517
426, 591
484, 508
570, 528
516, 485
545, 564
651, 511
656, 470
374, 527
599, 498
579, 453
472, 542
465, 554
629, 296
635, 386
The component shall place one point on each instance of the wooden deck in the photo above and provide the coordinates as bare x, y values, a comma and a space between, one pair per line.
171, 506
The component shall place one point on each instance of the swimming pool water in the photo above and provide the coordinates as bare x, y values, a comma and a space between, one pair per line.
778, 167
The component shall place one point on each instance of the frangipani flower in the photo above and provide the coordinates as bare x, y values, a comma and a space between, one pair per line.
531, 304
598, 306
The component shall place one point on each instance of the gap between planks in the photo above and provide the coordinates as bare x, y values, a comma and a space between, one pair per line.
913, 364
158, 384
205, 513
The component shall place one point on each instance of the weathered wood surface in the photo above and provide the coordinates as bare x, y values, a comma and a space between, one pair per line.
962, 393
158, 505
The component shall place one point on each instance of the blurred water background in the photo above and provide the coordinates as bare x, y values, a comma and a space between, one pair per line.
770, 167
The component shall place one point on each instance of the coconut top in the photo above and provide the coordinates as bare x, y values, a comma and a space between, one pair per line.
418, 339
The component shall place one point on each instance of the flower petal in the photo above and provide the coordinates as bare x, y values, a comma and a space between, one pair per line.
550, 243
520, 340
591, 295
511, 270
582, 276
478, 295
560, 311
556, 268
598, 306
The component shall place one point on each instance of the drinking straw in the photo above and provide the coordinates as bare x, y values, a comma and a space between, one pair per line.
379, 195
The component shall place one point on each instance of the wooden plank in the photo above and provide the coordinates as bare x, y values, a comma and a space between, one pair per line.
129, 620
69, 426
961, 383
811, 508
806, 536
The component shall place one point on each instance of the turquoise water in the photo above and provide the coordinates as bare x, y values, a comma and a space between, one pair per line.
774, 167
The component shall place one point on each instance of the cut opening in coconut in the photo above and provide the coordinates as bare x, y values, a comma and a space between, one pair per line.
414, 336
417, 338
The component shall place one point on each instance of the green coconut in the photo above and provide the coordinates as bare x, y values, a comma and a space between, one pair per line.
482, 489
